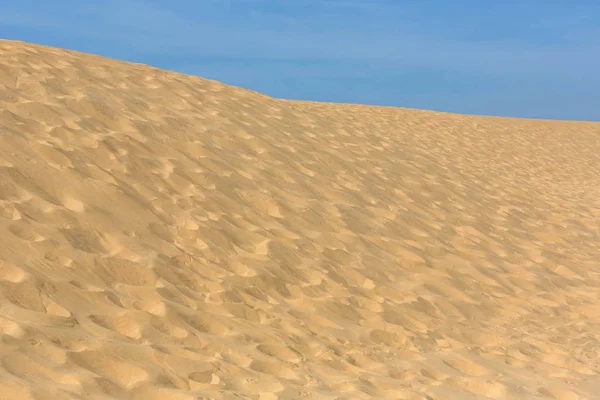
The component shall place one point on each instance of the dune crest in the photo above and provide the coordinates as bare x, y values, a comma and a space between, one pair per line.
164, 236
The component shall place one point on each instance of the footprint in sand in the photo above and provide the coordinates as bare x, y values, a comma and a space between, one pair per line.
26, 231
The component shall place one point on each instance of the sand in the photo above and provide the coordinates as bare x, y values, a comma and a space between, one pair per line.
164, 236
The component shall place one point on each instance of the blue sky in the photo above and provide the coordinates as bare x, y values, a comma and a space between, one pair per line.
538, 59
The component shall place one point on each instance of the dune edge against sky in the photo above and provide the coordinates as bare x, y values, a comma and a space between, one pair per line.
168, 236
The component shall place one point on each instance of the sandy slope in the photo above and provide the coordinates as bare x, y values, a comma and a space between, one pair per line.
164, 236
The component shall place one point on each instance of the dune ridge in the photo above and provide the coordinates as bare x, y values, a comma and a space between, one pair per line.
165, 236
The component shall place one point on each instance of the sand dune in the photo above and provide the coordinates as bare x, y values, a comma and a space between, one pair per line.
164, 236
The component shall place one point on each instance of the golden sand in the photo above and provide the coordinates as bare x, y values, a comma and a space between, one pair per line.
164, 236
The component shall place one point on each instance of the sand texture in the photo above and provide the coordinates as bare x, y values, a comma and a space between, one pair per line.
164, 236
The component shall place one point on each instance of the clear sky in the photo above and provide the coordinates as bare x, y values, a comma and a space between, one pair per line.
525, 58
